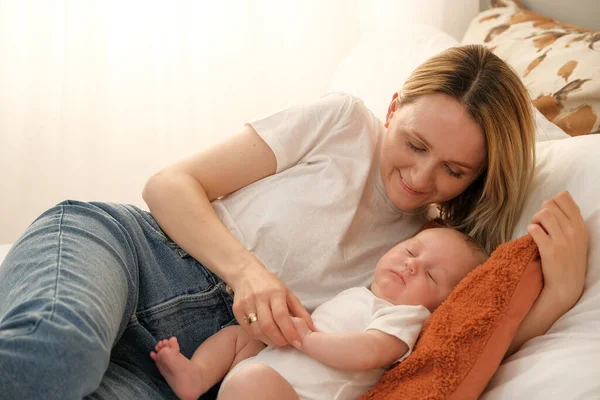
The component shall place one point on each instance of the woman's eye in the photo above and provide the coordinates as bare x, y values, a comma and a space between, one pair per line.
414, 148
452, 173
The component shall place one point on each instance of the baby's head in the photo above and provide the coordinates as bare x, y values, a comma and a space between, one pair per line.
425, 268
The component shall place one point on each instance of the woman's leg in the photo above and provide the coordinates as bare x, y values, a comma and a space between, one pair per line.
177, 297
84, 296
67, 288
257, 382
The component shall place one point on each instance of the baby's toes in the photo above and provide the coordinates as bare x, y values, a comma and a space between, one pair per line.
173, 343
161, 345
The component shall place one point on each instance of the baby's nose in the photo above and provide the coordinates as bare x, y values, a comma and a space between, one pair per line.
412, 266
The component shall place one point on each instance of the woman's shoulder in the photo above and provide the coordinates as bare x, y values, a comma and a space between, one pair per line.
346, 115
343, 103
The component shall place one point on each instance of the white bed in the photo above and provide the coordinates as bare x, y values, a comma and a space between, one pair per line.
3, 250
565, 362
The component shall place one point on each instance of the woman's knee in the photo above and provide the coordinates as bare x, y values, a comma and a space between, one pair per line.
67, 289
51, 360
61, 272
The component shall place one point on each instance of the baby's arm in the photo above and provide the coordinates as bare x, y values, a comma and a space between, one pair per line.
351, 351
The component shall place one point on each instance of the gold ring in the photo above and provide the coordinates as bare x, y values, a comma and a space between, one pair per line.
251, 318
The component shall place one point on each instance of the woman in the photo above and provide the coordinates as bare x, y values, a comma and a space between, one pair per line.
286, 214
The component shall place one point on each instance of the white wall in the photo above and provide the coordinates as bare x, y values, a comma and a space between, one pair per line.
96, 96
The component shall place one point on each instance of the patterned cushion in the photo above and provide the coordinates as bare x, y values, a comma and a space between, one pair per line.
559, 63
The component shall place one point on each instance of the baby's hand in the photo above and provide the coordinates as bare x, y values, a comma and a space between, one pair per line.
302, 329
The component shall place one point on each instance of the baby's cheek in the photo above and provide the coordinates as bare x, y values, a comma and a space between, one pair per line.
444, 294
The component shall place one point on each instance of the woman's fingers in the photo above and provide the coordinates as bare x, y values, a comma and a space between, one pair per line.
282, 317
264, 295
298, 310
539, 235
562, 238
265, 328
256, 319
551, 219
565, 201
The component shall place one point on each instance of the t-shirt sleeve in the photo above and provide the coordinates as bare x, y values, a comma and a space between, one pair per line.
293, 133
403, 322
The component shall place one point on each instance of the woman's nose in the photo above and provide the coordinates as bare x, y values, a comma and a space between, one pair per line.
421, 177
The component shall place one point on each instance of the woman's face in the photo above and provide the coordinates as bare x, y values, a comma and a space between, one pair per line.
431, 153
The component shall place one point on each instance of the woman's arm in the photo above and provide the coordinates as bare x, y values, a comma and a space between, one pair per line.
538, 320
179, 198
562, 238
357, 351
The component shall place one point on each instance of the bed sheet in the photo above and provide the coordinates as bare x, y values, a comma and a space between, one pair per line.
3, 250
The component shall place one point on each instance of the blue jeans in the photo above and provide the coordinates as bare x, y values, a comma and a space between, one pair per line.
86, 293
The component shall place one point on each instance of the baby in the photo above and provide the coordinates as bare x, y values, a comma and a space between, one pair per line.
361, 331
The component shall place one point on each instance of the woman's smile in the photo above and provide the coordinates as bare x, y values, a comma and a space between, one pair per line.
407, 187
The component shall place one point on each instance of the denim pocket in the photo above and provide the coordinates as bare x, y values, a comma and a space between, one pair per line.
192, 318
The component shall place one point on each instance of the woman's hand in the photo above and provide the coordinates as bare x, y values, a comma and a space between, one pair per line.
301, 326
260, 292
302, 329
562, 238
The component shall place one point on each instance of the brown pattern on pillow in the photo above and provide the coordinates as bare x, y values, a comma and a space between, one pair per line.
489, 17
558, 62
534, 64
543, 40
566, 70
498, 3
591, 39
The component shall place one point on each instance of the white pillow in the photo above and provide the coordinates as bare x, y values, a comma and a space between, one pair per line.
565, 362
450, 16
3, 251
546, 130
382, 61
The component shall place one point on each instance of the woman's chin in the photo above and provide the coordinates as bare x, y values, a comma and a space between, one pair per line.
408, 202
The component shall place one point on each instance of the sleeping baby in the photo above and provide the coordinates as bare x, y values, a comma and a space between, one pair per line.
360, 332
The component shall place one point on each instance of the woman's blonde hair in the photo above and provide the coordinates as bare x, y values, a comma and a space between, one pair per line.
498, 102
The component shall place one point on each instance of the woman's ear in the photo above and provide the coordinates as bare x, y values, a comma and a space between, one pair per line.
391, 108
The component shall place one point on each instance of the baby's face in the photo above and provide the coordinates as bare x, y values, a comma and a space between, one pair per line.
424, 269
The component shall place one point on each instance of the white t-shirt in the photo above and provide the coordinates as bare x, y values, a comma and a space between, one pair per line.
353, 310
323, 220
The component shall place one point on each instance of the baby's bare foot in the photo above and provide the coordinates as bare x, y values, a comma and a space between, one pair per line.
182, 375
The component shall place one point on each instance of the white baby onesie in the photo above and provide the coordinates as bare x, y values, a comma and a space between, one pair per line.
353, 310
